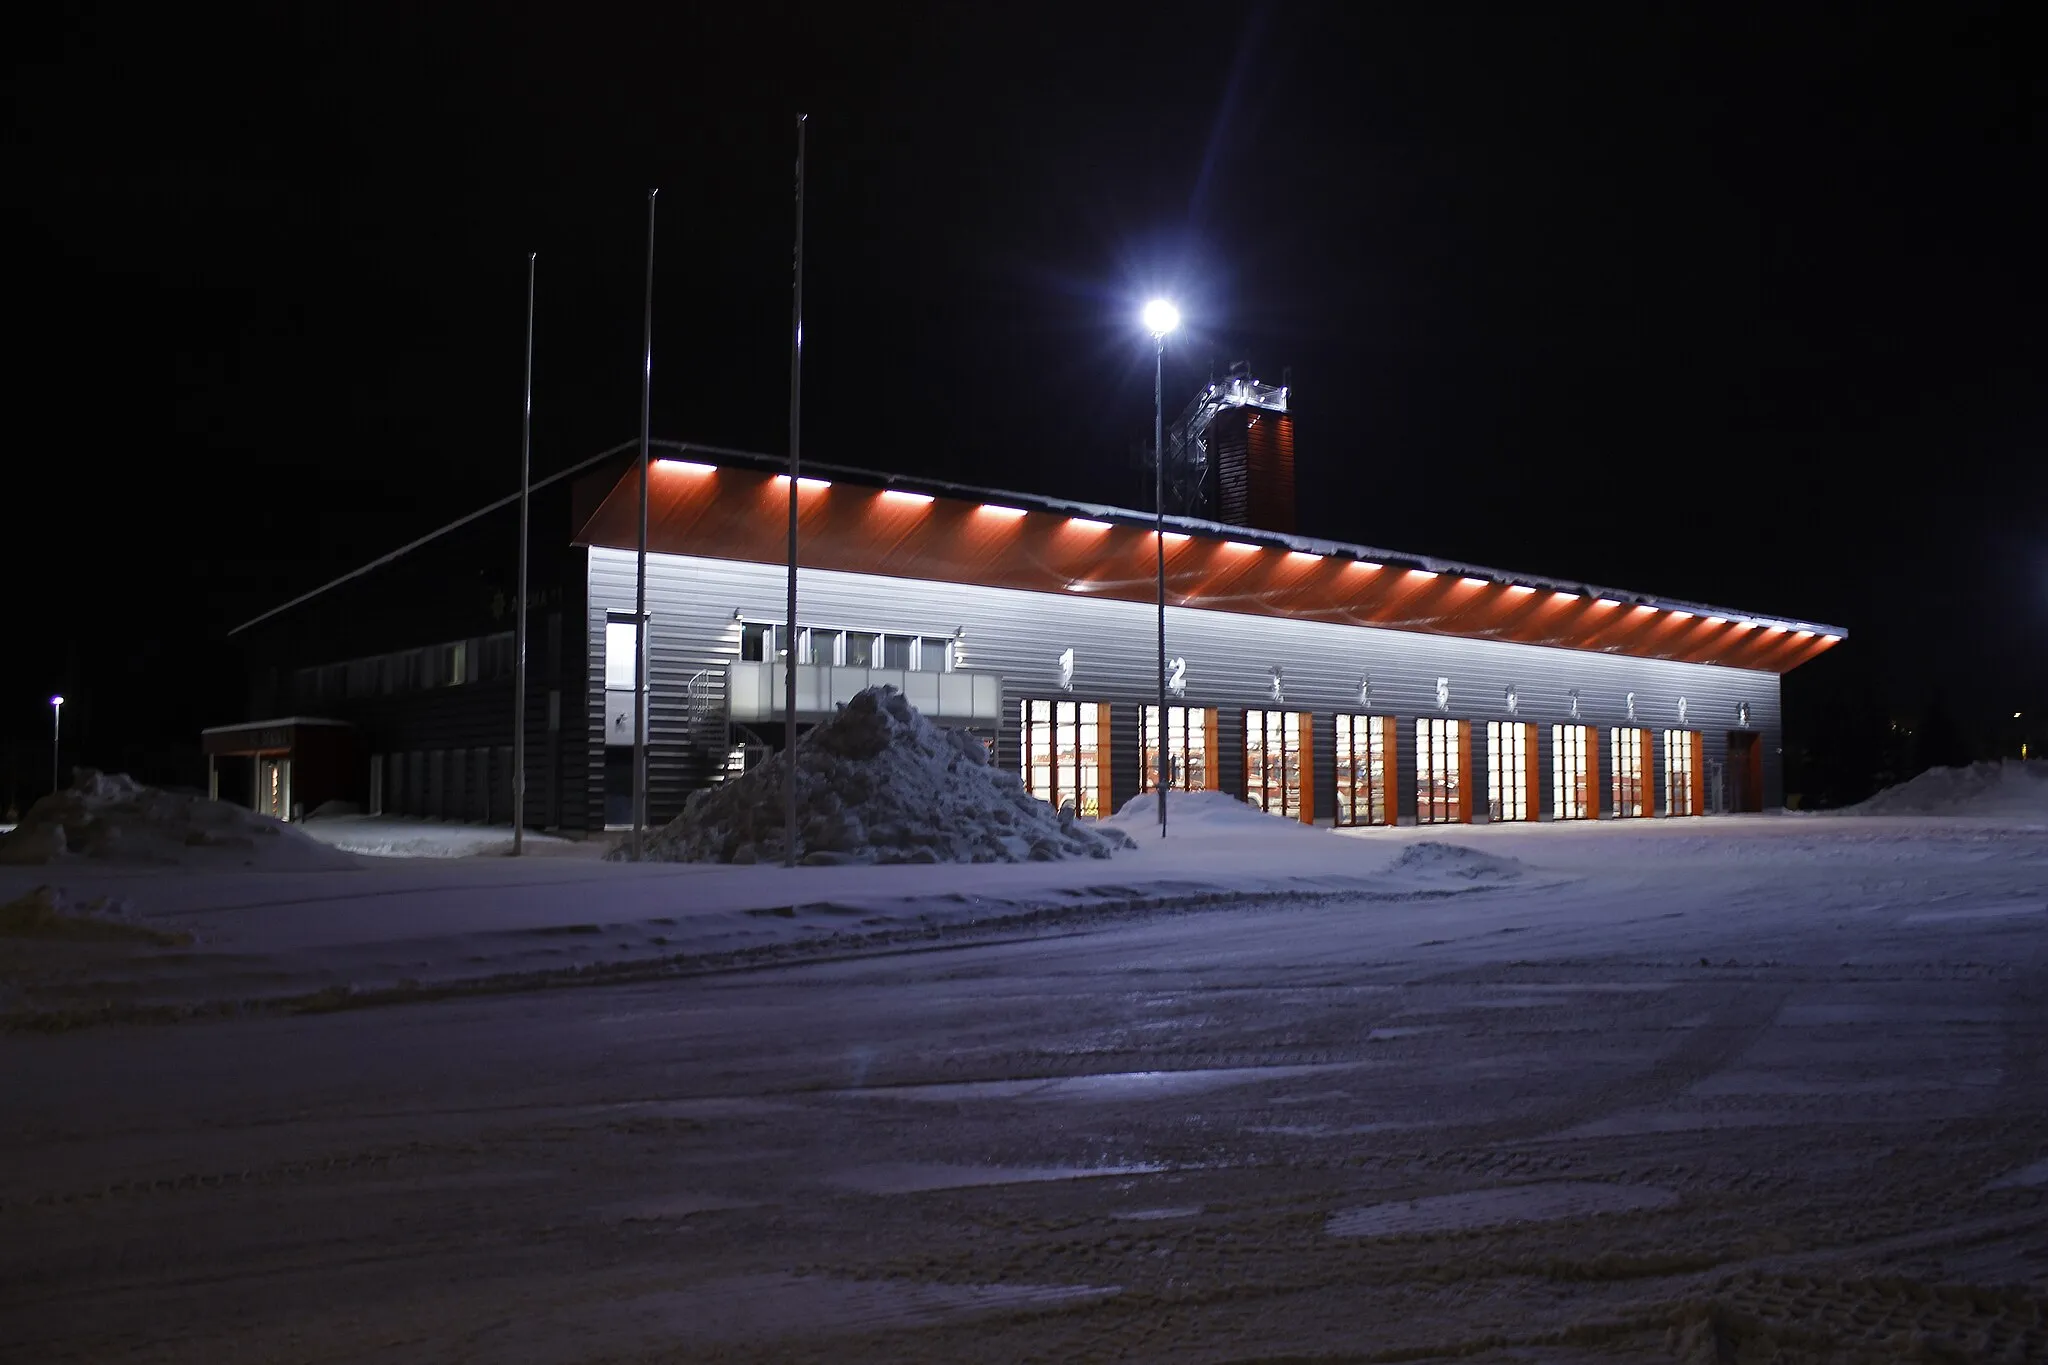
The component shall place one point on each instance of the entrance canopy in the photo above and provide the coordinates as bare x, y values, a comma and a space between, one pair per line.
298, 762
276, 737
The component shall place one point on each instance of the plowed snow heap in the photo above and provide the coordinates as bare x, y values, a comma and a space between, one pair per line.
2008, 787
112, 818
878, 783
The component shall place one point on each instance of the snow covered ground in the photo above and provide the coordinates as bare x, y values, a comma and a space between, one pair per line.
1769, 1088
393, 927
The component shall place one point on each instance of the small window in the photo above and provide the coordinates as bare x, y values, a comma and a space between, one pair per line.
620, 640
498, 654
458, 663
762, 643
863, 649
820, 647
896, 650
934, 656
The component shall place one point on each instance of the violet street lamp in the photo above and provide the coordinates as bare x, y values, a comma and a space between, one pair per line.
1160, 317
56, 741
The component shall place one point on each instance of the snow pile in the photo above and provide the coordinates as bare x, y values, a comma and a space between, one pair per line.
878, 783
1203, 812
113, 819
2007, 787
1430, 860
47, 912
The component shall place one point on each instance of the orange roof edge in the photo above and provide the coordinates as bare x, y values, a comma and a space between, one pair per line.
724, 504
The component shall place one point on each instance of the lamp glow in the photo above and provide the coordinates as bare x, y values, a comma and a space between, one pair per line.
1087, 524
1161, 317
1006, 513
56, 701
906, 497
686, 466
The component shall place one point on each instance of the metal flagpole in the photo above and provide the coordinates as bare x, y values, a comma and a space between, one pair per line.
519, 628
1160, 780
796, 388
640, 578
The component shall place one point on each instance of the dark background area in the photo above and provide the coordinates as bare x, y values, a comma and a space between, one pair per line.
1734, 305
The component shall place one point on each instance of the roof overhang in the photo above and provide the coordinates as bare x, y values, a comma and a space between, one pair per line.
265, 736
707, 504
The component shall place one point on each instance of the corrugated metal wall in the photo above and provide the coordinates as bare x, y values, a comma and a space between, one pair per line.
1230, 660
447, 751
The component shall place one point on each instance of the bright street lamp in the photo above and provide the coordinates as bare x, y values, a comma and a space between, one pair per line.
1160, 317
56, 739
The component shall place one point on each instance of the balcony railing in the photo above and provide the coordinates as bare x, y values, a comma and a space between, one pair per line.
754, 692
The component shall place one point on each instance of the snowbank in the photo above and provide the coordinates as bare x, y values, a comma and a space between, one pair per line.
878, 783
48, 913
113, 819
2007, 787
1201, 812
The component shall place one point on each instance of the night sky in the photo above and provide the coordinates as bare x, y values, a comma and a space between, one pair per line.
1694, 300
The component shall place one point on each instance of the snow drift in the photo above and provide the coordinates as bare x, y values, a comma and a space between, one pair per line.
1431, 860
2007, 787
113, 819
48, 913
1202, 812
879, 783
392, 836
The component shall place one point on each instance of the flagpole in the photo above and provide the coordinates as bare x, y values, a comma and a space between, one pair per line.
519, 627
796, 387
640, 689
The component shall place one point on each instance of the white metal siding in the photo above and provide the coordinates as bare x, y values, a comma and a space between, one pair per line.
1230, 659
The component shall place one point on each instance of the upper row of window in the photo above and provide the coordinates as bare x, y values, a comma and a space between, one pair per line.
847, 648
761, 642
486, 658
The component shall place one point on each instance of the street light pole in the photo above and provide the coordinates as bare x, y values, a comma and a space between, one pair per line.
640, 688
56, 742
1161, 317
1159, 549
796, 393
519, 622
